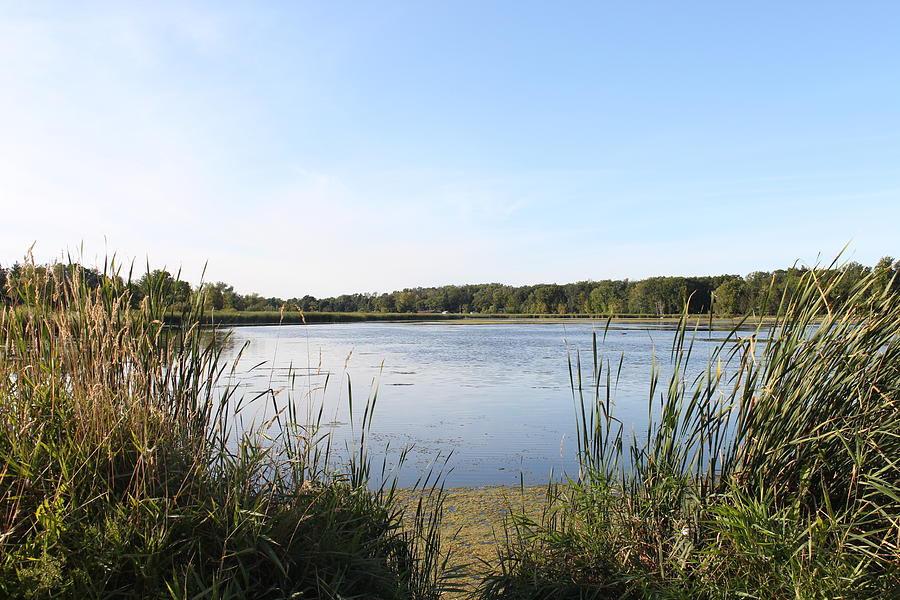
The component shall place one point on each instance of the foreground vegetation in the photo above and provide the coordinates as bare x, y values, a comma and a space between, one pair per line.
775, 474
122, 473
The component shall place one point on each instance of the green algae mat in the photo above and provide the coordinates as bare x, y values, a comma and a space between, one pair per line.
472, 527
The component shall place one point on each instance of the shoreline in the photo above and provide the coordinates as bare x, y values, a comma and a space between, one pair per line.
261, 319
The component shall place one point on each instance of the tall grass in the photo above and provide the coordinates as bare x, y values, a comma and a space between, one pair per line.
122, 474
773, 474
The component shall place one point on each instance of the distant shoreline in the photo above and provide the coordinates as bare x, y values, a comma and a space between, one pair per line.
260, 318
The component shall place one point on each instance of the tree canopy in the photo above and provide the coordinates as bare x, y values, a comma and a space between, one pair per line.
759, 292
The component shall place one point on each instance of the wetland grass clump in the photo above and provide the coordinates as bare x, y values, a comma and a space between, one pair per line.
773, 475
122, 476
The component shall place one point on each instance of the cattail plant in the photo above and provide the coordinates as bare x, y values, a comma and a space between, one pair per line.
775, 473
124, 472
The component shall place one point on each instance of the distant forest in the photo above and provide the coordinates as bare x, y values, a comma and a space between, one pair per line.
759, 292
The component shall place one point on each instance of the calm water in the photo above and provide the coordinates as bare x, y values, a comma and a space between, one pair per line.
496, 397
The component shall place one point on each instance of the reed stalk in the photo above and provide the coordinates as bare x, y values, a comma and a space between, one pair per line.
125, 473
775, 473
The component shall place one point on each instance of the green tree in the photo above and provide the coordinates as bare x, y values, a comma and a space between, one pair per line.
732, 297
406, 301
885, 271
608, 297
214, 295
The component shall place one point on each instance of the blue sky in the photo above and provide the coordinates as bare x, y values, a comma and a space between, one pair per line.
335, 147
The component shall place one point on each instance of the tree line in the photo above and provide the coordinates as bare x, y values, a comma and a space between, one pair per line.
759, 292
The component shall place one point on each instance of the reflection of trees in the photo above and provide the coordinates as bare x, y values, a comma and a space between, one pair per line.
221, 339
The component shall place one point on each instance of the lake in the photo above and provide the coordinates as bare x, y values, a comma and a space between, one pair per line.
494, 396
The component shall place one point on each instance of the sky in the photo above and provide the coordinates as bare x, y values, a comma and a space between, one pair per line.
323, 148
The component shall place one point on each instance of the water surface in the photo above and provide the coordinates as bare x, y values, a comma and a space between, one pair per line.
496, 397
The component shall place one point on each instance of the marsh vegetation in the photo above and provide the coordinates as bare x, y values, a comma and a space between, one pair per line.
124, 472
127, 472
774, 474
